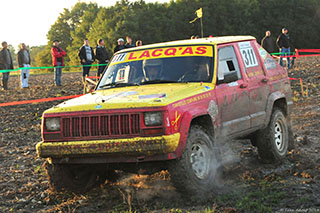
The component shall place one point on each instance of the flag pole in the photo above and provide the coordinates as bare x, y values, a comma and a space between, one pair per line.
201, 27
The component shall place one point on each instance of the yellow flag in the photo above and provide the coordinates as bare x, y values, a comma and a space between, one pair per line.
199, 13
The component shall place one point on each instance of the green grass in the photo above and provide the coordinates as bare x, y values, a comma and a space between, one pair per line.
264, 198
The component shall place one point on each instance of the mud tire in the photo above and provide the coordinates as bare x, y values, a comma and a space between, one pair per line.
273, 141
75, 178
186, 177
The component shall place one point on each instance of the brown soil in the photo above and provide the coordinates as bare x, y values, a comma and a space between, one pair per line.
246, 184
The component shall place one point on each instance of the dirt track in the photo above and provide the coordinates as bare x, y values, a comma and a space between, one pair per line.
247, 185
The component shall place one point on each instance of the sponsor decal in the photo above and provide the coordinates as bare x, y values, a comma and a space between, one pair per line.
167, 52
163, 95
278, 77
191, 100
263, 53
103, 99
168, 122
270, 64
248, 55
98, 106
174, 123
254, 74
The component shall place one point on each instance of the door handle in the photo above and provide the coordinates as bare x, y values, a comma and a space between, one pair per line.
265, 80
242, 86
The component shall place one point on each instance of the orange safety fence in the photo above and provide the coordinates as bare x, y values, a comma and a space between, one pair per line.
38, 100
304, 93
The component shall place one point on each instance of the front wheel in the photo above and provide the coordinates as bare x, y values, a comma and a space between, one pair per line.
194, 173
75, 178
273, 141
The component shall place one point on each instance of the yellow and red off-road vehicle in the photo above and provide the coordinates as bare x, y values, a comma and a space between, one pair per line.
163, 106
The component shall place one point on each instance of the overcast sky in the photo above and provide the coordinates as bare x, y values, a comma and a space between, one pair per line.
29, 21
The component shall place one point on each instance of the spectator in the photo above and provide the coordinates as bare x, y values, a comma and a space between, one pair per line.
102, 56
5, 64
139, 43
283, 42
120, 45
192, 37
129, 43
267, 42
57, 61
86, 56
24, 60
294, 52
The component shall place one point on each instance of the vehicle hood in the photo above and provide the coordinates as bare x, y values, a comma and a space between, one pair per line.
155, 95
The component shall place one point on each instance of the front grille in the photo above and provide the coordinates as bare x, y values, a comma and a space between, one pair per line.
101, 125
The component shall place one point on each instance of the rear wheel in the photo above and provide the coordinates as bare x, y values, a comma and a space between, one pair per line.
76, 178
273, 141
194, 173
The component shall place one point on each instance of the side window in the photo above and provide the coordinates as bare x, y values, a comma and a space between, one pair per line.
228, 66
268, 61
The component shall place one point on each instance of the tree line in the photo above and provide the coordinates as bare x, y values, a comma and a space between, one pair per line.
158, 22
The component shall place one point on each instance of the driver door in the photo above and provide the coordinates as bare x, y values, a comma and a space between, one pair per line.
231, 92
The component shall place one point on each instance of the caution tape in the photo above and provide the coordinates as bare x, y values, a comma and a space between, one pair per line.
280, 53
50, 67
88, 78
296, 54
38, 100
309, 50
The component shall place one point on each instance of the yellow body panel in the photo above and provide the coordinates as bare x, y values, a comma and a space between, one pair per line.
138, 145
132, 97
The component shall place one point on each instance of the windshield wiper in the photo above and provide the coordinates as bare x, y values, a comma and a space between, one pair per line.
118, 84
158, 81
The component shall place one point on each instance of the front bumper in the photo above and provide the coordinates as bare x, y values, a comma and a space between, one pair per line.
131, 146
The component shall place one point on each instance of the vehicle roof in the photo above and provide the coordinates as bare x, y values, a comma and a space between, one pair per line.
211, 40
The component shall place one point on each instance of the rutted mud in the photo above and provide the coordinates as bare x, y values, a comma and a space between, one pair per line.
246, 184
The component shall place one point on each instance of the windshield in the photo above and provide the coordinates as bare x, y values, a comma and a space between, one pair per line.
162, 65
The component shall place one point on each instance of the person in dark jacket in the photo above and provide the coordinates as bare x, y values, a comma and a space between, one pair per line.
5, 64
102, 56
120, 45
24, 60
267, 42
57, 61
283, 42
129, 43
87, 57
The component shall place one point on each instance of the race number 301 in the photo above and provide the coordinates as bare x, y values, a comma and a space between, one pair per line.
248, 55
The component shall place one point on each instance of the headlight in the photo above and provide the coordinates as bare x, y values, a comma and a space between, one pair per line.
52, 124
153, 118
